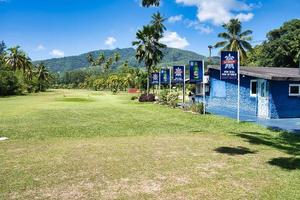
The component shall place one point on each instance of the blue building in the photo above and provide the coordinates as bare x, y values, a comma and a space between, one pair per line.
265, 92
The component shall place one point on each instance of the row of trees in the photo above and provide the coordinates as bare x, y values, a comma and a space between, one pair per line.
102, 77
17, 73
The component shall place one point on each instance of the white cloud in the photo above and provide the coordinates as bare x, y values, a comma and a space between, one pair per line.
220, 11
245, 17
40, 47
172, 39
174, 19
202, 28
57, 53
110, 42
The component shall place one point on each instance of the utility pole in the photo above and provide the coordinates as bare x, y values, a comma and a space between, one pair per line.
210, 47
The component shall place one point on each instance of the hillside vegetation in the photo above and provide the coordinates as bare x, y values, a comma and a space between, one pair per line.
172, 57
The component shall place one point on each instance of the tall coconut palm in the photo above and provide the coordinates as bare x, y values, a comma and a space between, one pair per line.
148, 3
235, 39
158, 23
149, 49
117, 57
101, 59
42, 74
16, 59
90, 58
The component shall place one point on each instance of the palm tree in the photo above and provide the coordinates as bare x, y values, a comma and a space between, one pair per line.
101, 59
147, 3
90, 58
148, 49
157, 22
17, 60
107, 65
42, 74
235, 39
117, 57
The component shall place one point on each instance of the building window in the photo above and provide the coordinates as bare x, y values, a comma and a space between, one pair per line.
253, 88
294, 89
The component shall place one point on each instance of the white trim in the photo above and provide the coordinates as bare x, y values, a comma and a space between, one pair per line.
251, 94
294, 85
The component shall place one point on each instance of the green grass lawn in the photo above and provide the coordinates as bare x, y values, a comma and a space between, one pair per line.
76, 144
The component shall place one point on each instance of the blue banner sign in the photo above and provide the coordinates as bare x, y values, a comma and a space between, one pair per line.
155, 78
229, 65
196, 71
164, 76
178, 74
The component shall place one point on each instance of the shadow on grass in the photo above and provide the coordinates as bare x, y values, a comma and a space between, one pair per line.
234, 150
283, 141
286, 163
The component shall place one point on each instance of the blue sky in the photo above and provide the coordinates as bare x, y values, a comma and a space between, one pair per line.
55, 28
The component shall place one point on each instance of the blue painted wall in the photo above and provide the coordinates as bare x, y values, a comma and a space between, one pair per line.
282, 105
223, 94
223, 97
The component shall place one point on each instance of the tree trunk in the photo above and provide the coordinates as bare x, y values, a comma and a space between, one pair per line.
148, 81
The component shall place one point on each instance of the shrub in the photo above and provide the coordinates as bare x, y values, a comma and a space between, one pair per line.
172, 99
9, 83
197, 108
163, 97
134, 98
147, 98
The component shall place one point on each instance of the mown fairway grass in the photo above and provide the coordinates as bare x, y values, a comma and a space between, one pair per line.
75, 144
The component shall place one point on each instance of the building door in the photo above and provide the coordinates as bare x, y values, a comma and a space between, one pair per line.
263, 98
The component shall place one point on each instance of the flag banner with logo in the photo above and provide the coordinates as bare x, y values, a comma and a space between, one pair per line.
196, 71
178, 74
155, 78
164, 76
229, 65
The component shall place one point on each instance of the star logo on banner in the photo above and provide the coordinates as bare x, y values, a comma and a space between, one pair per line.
178, 72
229, 62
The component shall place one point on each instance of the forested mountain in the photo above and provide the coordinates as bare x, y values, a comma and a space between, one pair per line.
172, 57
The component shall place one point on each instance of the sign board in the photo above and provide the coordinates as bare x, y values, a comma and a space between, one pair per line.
178, 74
164, 76
155, 78
229, 65
196, 71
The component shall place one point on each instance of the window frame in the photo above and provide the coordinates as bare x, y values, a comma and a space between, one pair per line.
251, 94
291, 94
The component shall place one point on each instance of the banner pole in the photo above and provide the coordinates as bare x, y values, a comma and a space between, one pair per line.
183, 96
203, 83
170, 71
239, 84
159, 82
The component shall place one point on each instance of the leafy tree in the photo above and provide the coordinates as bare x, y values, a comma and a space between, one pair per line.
148, 3
149, 49
282, 48
9, 83
17, 60
235, 39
